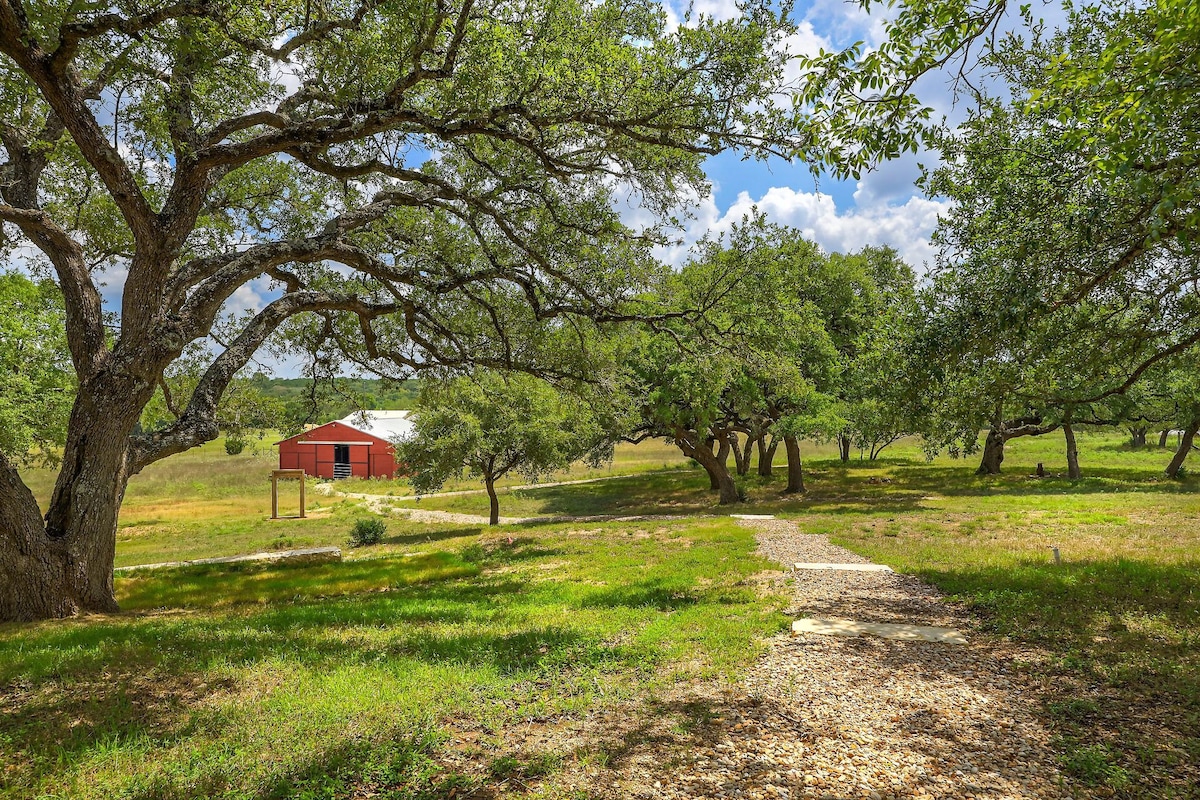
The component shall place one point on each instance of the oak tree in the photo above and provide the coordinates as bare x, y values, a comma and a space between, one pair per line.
489, 425
413, 182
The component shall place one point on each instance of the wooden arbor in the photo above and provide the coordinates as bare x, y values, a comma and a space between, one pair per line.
286, 474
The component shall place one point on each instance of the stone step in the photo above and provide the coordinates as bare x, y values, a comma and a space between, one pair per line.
850, 628
847, 567
308, 555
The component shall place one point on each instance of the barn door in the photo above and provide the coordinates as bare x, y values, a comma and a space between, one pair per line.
341, 461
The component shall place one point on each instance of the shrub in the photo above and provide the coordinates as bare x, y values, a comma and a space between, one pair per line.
234, 445
367, 532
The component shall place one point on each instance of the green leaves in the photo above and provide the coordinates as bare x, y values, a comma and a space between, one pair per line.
1069, 267
488, 425
36, 380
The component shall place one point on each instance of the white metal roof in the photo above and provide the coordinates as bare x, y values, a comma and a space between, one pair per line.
384, 424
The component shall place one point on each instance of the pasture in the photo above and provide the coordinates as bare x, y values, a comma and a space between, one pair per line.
406, 670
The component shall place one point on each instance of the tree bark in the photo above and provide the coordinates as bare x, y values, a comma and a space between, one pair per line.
993, 453
1001, 431
36, 575
1137, 436
713, 483
766, 455
1072, 449
1185, 446
64, 565
723, 452
1162, 437
741, 455
493, 501
718, 472
877, 447
843, 447
795, 482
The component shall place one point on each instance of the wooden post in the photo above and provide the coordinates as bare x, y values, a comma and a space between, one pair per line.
293, 474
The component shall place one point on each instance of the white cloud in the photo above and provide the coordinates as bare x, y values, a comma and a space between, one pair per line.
845, 22
905, 226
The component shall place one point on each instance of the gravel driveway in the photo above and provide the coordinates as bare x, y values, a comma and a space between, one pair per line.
826, 717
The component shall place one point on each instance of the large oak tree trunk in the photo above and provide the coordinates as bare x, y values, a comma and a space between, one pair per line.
723, 452
63, 565
1001, 431
1185, 447
1162, 437
1137, 436
993, 453
741, 455
709, 443
714, 465
719, 472
795, 482
38, 578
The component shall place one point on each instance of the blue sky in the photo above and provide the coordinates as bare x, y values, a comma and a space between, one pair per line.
883, 207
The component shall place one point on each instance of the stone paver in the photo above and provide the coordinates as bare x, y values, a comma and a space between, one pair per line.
886, 630
844, 567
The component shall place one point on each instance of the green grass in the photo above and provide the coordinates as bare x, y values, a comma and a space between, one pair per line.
1115, 628
323, 681
270, 681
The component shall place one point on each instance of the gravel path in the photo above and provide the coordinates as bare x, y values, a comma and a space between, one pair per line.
826, 717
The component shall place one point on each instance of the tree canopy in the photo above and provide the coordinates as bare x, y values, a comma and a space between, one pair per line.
1068, 260
488, 425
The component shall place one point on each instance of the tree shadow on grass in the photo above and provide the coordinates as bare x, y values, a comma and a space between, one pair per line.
632, 496
220, 585
833, 488
688, 493
139, 677
315, 632
1016, 480
658, 594
1125, 635
155, 677
430, 536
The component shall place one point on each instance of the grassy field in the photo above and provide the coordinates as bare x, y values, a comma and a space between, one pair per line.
1117, 623
628, 459
205, 503
345, 679
219, 681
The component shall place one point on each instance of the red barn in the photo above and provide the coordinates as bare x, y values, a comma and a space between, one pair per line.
359, 445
